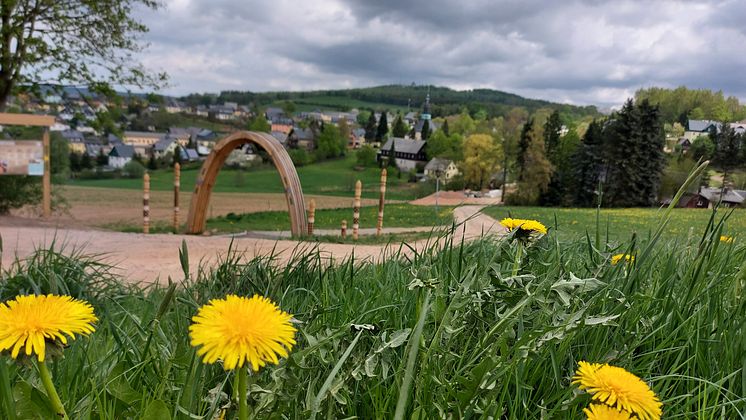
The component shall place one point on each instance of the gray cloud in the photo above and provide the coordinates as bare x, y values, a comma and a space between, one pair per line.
579, 51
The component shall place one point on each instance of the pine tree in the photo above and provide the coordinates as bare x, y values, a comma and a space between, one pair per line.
552, 129
727, 145
85, 161
653, 140
588, 164
383, 127
425, 133
624, 154
370, 128
445, 128
523, 143
537, 174
392, 155
399, 129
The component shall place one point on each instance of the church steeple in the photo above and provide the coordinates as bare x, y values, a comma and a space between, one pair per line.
426, 108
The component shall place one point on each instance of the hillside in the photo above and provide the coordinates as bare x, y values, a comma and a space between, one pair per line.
445, 101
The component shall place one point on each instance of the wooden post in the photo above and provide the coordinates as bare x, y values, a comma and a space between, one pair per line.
379, 226
311, 216
356, 210
344, 229
47, 177
146, 203
177, 187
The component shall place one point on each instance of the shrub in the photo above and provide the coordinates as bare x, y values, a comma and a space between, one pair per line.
133, 169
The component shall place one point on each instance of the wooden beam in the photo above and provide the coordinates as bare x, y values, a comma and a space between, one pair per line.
47, 177
26, 119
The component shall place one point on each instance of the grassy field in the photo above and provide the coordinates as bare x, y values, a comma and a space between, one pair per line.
395, 215
336, 177
620, 224
311, 103
448, 332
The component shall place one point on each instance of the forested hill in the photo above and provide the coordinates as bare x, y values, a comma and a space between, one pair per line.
445, 101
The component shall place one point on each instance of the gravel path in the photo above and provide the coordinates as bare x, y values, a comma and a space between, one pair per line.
148, 258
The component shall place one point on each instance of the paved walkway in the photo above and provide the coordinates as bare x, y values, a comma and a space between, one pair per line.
148, 258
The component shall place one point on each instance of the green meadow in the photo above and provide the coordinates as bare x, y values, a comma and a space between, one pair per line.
335, 177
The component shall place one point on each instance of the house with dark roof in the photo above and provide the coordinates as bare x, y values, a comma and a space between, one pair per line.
165, 146
709, 197
120, 155
409, 154
280, 136
301, 138
274, 115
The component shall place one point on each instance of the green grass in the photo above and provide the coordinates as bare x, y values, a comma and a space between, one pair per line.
335, 177
619, 223
395, 215
449, 332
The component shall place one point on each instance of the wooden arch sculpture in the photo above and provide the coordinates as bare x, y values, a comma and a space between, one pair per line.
209, 172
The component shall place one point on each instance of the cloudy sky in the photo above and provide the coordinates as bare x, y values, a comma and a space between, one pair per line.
576, 51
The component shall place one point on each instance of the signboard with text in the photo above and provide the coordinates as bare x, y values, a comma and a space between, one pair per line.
21, 157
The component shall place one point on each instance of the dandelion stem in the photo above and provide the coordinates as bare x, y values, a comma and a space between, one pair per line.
518, 256
46, 379
243, 407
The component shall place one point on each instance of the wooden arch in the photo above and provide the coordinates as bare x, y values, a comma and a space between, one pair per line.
209, 172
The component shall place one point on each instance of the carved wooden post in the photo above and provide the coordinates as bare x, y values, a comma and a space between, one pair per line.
177, 187
146, 203
344, 229
379, 226
311, 216
356, 210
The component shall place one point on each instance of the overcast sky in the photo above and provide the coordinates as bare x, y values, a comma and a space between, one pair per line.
577, 51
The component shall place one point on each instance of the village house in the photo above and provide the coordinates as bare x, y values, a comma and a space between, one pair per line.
142, 138
75, 140
120, 155
280, 136
708, 197
357, 138
282, 128
301, 138
174, 106
409, 154
446, 169
165, 146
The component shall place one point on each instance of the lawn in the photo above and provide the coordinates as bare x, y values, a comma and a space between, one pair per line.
622, 223
447, 332
336, 177
395, 215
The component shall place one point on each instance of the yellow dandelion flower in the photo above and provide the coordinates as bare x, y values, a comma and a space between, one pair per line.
604, 412
30, 321
726, 239
530, 226
626, 257
239, 330
618, 388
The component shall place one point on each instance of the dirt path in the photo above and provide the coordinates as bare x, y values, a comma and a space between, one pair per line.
148, 258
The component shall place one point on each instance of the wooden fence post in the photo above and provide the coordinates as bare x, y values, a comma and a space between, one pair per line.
47, 176
379, 226
177, 187
344, 229
356, 210
311, 216
146, 203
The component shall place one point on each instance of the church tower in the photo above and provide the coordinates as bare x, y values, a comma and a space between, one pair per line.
426, 108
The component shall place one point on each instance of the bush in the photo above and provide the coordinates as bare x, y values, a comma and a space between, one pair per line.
18, 191
133, 169
366, 156
300, 157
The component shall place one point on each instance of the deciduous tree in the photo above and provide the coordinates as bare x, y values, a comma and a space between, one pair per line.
76, 42
482, 158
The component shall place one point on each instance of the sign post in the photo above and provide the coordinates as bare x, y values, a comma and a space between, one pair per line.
26, 158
